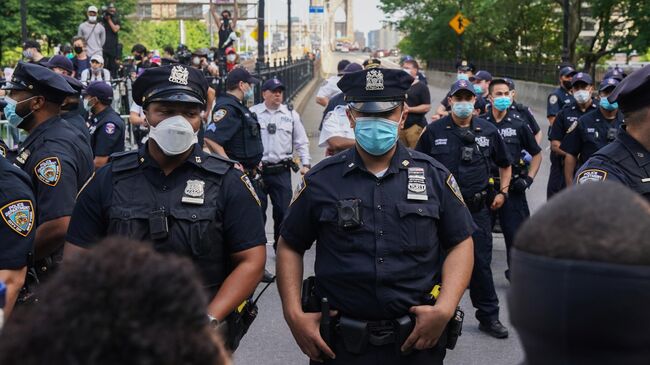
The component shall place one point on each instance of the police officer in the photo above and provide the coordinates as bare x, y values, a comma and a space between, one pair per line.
561, 96
70, 107
329, 87
17, 207
518, 137
464, 71
55, 155
481, 80
105, 125
467, 146
383, 218
173, 194
282, 134
565, 123
524, 111
4, 149
627, 158
595, 130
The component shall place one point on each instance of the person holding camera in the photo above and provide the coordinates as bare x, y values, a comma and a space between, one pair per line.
93, 33
111, 23
467, 145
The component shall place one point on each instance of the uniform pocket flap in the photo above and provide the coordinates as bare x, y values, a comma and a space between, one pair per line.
422, 210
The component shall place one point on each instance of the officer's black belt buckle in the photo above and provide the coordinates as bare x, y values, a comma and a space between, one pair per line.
475, 203
276, 168
357, 334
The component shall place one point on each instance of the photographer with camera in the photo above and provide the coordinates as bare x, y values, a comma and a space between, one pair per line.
111, 23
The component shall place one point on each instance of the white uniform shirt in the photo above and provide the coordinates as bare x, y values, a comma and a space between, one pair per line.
329, 88
288, 129
335, 124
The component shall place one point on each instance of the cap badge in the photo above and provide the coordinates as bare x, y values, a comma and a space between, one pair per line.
179, 75
375, 80
464, 63
579, 75
610, 81
462, 83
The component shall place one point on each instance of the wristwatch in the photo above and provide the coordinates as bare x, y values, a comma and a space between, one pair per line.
214, 322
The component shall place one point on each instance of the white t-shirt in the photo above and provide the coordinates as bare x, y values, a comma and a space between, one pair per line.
335, 124
329, 87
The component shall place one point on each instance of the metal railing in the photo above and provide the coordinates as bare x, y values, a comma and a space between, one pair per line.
545, 74
294, 74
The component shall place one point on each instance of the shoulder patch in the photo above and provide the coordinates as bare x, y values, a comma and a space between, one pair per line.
48, 171
109, 128
453, 185
591, 175
572, 127
552, 99
219, 114
3, 152
19, 216
299, 189
85, 184
249, 186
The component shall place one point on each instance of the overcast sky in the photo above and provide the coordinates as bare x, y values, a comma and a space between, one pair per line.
369, 20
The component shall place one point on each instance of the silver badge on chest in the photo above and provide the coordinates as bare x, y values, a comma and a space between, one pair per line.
417, 185
194, 192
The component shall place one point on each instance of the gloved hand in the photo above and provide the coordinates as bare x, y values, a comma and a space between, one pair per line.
520, 184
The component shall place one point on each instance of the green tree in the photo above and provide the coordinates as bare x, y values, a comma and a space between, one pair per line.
158, 34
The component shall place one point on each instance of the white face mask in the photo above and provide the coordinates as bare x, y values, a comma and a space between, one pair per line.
92, 19
173, 135
582, 96
231, 57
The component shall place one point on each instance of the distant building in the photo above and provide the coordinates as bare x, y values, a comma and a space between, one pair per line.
384, 38
360, 39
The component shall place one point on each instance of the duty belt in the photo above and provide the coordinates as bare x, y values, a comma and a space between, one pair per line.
475, 203
275, 168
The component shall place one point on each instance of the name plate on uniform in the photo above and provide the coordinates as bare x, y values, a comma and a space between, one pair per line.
194, 192
417, 186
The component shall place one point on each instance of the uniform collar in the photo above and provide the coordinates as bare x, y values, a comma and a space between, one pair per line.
196, 158
228, 95
449, 124
282, 109
402, 159
39, 130
506, 118
99, 116
617, 119
638, 152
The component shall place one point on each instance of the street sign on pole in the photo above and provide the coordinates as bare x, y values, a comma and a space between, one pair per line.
459, 23
316, 9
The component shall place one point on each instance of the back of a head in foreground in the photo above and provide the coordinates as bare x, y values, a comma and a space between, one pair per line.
581, 278
119, 303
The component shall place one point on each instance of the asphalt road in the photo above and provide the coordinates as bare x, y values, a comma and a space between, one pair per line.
269, 340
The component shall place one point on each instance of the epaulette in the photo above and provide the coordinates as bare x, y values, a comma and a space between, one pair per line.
123, 161
217, 164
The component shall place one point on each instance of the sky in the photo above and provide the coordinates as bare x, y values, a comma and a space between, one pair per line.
370, 20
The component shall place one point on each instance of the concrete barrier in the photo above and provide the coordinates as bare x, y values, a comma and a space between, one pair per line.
529, 93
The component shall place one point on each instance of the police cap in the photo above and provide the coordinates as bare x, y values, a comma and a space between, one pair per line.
465, 66
581, 77
172, 83
353, 67
567, 71
614, 73
375, 90
632, 93
60, 62
39, 80
372, 63
609, 83
481, 75
100, 90
462, 85
237, 75
77, 85
273, 84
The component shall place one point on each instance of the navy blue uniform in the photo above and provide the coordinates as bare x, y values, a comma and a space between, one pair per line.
107, 132
236, 129
442, 140
565, 122
557, 100
517, 136
527, 115
210, 209
17, 207
381, 268
624, 160
76, 120
593, 132
4, 149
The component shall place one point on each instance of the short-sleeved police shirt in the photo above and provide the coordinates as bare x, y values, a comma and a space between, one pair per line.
557, 100
516, 133
381, 268
237, 205
17, 207
59, 160
107, 133
591, 134
76, 120
526, 115
566, 121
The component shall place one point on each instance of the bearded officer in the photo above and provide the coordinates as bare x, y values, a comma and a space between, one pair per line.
389, 223
173, 194
627, 158
55, 155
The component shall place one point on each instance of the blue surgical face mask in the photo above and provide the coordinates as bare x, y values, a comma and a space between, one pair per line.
249, 93
605, 104
10, 111
462, 109
502, 103
462, 77
375, 135
478, 89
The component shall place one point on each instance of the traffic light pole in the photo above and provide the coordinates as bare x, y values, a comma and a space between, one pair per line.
289, 31
260, 34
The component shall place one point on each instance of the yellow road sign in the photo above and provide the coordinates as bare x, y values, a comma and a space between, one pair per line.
254, 34
459, 23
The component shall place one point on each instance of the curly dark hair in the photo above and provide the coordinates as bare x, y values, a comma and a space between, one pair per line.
119, 303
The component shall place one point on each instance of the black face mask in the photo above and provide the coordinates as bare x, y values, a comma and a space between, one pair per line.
78, 50
137, 57
566, 85
226, 21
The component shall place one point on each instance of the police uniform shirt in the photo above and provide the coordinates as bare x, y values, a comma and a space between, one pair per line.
329, 88
335, 124
77, 121
382, 268
591, 134
442, 141
59, 160
227, 129
624, 160
526, 114
107, 133
285, 134
4, 149
566, 121
516, 133
336, 100
100, 211
17, 208
557, 100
